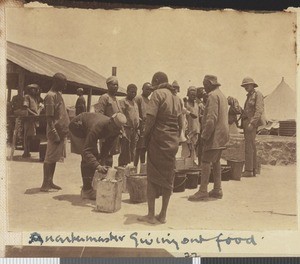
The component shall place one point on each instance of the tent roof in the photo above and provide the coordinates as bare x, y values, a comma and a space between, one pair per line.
281, 103
47, 65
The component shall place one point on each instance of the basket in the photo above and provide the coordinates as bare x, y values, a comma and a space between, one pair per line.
137, 188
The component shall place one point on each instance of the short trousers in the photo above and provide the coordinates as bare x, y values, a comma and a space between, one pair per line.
55, 152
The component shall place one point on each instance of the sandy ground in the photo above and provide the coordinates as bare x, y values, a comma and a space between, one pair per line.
266, 202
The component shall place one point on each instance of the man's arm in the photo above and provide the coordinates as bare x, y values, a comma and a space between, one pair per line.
211, 118
259, 109
88, 152
49, 109
102, 103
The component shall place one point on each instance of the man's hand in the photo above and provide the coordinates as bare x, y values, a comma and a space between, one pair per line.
193, 116
101, 169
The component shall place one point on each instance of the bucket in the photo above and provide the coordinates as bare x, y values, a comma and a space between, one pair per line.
109, 195
226, 172
192, 179
137, 188
121, 175
42, 151
179, 164
236, 169
179, 182
188, 163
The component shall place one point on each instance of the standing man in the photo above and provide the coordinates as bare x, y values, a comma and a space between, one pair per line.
86, 129
215, 135
163, 127
142, 102
128, 141
57, 130
109, 105
80, 105
201, 95
251, 120
30, 104
193, 124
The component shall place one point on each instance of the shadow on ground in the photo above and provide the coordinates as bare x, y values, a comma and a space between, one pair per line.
21, 159
37, 190
133, 219
75, 200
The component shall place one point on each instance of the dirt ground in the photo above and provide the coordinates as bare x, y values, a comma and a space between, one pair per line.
266, 202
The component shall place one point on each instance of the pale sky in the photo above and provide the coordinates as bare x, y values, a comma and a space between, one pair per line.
184, 44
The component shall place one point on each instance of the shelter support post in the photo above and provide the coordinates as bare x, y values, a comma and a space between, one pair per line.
89, 102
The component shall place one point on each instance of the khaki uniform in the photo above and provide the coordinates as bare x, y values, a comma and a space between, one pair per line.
253, 114
128, 143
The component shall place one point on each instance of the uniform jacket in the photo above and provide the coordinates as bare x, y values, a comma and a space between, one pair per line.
254, 109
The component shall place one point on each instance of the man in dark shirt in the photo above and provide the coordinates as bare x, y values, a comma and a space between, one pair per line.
80, 105
86, 129
57, 130
30, 104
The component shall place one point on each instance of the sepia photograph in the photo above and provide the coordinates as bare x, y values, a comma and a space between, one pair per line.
135, 119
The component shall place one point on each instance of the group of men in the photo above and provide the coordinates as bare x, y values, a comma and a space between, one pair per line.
139, 124
29, 105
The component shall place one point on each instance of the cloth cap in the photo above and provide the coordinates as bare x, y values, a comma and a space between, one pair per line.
212, 79
248, 80
175, 84
33, 86
59, 76
111, 79
191, 88
119, 119
79, 90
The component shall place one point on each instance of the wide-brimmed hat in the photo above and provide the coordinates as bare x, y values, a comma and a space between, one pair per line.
212, 79
248, 80
119, 119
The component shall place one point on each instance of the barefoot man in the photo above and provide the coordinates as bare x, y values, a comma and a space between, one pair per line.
162, 130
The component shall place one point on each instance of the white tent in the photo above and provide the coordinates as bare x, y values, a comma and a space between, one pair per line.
281, 104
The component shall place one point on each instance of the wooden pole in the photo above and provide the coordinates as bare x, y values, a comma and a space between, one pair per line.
21, 83
89, 102
114, 71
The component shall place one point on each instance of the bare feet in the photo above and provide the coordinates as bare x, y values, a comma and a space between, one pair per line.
161, 219
149, 219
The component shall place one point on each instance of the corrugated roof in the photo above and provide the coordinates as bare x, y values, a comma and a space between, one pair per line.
47, 65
